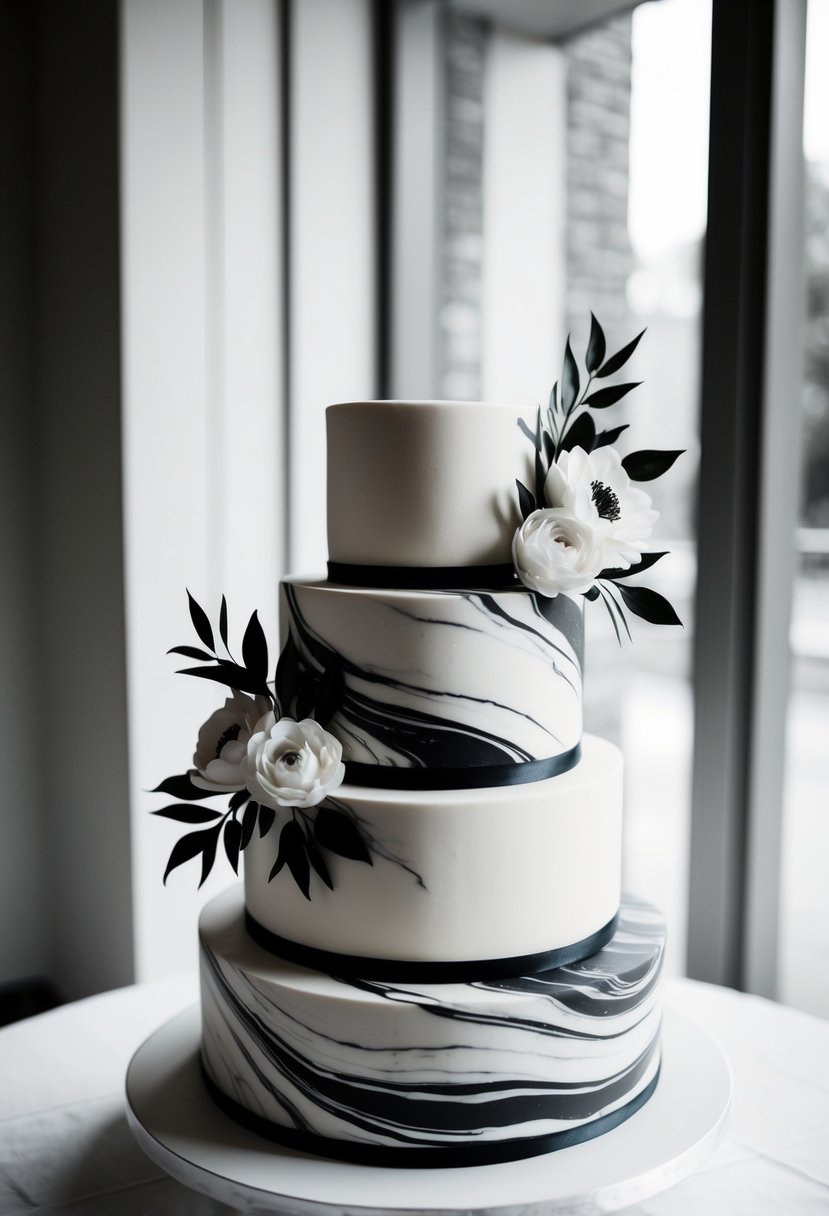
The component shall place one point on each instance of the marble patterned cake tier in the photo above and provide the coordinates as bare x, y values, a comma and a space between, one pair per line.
458, 876
485, 1070
443, 679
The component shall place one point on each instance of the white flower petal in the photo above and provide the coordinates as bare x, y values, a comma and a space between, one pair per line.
292, 763
554, 551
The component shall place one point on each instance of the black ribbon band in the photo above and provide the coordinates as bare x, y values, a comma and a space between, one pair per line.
469, 1154
423, 578
473, 777
388, 970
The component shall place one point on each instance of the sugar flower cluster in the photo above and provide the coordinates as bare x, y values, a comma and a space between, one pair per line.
586, 524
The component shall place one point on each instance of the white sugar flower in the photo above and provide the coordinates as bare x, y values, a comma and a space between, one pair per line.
595, 487
292, 763
554, 551
222, 744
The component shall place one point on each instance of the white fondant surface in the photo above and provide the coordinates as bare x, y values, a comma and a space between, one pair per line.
460, 874
444, 678
430, 1065
424, 483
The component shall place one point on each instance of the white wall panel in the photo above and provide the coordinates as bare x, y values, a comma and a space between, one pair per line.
331, 226
202, 414
524, 217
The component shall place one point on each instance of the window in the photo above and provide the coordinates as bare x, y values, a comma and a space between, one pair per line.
804, 945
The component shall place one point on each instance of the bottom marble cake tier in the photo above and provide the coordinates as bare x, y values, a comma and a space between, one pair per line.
430, 1074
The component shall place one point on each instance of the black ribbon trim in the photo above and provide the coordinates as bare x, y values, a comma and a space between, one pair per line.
451, 1157
424, 578
388, 970
473, 777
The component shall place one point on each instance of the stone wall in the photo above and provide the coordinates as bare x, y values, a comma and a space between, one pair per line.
461, 314
599, 258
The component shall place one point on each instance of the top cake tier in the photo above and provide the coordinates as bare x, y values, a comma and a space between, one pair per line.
424, 483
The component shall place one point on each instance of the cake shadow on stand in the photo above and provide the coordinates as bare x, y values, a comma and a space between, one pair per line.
431, 968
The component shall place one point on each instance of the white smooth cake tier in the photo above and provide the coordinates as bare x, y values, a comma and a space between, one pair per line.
443, 679
457, 875
424, 483
481, 1071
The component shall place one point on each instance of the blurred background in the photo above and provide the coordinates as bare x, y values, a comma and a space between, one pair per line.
217, 216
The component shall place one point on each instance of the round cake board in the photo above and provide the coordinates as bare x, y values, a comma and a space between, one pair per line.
181, 1130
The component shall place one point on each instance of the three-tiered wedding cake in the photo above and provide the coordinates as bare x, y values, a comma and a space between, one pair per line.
431, 963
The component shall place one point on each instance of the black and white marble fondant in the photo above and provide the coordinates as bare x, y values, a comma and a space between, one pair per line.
443, 679
460, 875
485, 1071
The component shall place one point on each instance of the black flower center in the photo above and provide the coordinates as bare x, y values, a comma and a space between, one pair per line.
291, 759
229, 736
607, 502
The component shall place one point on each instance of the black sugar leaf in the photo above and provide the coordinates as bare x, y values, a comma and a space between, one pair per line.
190, 846
648, 464
295, 855
526, 502
336, 832
223, 622
596, 347
255, 649
318, 863
181, 786
580, 435
603, 397
648, 604
288, 671
238, 799
232, 838
266, 818
192, 652
645, 562
539, 466
248, 824
605, 438
184, 812
201, 624
569, 380
617, 361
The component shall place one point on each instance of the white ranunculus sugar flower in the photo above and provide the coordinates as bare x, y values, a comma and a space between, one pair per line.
289, 763
554, 552
596, 489
222, 744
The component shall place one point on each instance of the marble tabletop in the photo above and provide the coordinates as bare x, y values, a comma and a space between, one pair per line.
66, 1150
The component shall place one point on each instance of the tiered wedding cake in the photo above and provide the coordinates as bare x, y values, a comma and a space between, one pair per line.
431, 963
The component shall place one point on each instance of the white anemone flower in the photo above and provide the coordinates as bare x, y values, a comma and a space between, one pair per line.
596, 489
222, 744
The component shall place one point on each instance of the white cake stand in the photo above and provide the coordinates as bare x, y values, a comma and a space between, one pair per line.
179, 1127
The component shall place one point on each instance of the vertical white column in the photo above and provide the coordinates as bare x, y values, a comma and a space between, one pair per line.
777, 507
202, 409
332, 245
249, 429
524, 217
164, 242
417, 177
